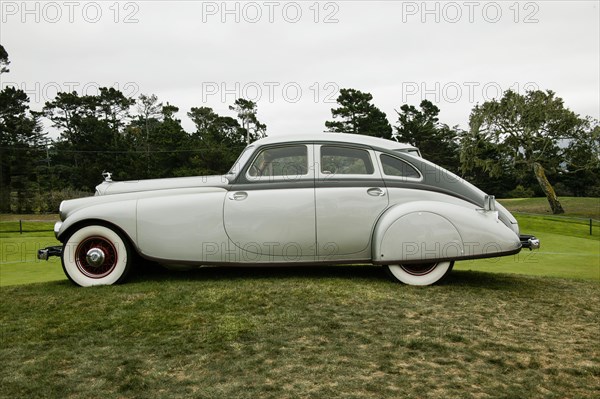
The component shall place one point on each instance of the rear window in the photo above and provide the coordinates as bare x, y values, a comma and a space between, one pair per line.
398, 168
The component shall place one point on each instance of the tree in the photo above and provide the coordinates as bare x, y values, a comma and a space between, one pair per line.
92, 136
422, 129
358, 115
485, 164
222, 129
218, 138
527, 129
581, 171
21, 146
246, 111
21, 149
113, 107
4, 62
160, 146
149, 112
170, 145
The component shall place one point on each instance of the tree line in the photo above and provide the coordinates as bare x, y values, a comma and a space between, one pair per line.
515, 146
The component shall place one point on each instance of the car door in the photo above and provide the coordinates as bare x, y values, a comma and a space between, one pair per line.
182, 224
349, 197
269, 212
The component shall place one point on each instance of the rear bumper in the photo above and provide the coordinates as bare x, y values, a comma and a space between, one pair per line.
529, 241
44, 254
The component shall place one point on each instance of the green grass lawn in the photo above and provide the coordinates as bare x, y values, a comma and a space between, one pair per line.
574, 206
328, 332
18, 253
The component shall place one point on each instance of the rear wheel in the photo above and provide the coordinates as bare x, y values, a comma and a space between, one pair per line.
96, 255
420, 273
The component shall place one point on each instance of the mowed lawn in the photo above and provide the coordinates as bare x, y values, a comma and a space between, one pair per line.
329, 332
583, 207
18, 252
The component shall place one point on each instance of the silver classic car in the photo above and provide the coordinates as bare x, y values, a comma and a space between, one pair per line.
329, 198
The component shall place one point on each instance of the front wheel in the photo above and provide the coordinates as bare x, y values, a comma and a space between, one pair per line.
96, 255
420, 273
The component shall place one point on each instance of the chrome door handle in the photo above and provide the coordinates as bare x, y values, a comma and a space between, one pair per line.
376, 192
239, 196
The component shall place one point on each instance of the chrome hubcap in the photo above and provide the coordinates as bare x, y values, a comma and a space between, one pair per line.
95, 257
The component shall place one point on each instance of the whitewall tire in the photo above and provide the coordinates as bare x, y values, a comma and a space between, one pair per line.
96, 255
420, 274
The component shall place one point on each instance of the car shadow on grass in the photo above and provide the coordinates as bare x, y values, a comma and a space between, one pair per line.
493, 281
152, 272
457, 278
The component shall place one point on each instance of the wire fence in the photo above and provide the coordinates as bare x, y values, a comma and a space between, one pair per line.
591, 224
26, 226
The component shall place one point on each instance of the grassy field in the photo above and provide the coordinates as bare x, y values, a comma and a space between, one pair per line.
573, 206
18, 261
331, 332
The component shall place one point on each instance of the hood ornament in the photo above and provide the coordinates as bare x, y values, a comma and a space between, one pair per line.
107, 176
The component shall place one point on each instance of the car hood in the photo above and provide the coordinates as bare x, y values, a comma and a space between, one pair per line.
132, 186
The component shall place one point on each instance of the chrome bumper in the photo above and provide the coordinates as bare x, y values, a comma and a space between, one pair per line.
529, 241
44, 254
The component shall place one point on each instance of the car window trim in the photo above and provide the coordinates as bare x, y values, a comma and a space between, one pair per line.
323, 177
399, 178
309, 176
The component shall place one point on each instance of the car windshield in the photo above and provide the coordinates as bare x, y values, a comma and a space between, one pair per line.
241, 161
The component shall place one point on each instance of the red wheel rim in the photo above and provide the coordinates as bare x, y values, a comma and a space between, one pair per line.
419, 269
96, 270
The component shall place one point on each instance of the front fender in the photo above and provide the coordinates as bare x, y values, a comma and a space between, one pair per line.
435, 231
121, 214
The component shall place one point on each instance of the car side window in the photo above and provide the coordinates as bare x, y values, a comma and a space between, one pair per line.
398, 168
287, 162
345, 161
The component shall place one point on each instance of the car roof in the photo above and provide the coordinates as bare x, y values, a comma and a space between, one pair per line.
337, 137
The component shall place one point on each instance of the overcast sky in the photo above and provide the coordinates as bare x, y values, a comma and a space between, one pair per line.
293, 57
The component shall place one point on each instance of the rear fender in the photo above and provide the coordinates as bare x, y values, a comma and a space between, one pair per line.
435, 231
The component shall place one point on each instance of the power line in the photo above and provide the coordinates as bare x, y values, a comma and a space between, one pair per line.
141, 152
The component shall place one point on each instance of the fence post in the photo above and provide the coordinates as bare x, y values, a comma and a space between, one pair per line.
590, 226
20, 226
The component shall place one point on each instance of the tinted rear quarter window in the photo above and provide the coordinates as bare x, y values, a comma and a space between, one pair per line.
398, 168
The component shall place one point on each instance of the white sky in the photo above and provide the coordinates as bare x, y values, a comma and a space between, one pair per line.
293, 57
